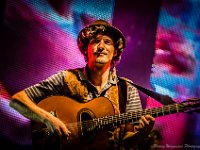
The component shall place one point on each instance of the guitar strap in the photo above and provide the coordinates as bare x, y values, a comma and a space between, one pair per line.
163, 99
122, 91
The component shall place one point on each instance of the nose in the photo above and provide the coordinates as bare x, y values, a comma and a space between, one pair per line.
101, 45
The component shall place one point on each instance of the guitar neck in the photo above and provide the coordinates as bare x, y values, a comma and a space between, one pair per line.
133, 117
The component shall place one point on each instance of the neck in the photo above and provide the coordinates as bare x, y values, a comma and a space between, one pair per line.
98, 76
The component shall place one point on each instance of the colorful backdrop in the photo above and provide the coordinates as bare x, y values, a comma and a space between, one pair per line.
38, 38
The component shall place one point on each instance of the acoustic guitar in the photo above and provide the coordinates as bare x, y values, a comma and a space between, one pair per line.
89, 122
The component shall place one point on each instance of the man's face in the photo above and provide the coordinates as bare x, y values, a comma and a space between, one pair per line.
101, 50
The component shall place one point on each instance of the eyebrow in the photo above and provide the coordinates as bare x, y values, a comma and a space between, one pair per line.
107, 37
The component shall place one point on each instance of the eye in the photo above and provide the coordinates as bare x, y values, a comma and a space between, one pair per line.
108, 41
94, 41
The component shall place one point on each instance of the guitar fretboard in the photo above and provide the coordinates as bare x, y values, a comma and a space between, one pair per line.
133, 117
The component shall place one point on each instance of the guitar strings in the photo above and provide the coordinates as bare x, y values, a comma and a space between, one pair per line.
124, 118
131, 117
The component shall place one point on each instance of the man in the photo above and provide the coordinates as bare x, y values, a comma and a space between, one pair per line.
102, 46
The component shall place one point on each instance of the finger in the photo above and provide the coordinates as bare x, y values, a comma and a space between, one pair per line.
150, 118
54, 129
141, 123
144, 120
58, 132
129, 135
50, 127
65, 131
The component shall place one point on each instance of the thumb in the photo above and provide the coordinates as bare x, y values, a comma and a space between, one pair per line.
129, 135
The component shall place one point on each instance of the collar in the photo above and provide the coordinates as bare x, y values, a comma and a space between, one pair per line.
113, 79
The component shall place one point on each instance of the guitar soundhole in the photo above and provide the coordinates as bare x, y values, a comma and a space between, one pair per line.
87, 125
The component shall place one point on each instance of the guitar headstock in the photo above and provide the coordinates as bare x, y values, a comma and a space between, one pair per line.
191, 105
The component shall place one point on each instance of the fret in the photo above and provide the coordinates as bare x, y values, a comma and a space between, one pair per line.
127, 117
145, 112
116, 120
123, 121
109, 121
151, 112
139, 114
136, 116
102, 121
95, 122
169, 109
99, 126
132, 117
177, 110
157, 113
112, 121
163, 111
99, 123
120, 121
105, 120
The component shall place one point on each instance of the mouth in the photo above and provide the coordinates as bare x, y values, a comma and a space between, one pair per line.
100, 53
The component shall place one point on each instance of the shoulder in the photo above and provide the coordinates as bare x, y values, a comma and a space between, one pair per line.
124, 79
58, 74
63, 73
77, 73
75, 70
129, 83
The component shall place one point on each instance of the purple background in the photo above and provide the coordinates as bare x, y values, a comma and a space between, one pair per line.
39, 39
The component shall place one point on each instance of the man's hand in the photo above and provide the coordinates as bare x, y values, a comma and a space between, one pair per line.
143, 129
55, 125
133, 134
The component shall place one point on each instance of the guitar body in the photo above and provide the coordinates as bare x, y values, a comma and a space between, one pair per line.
74, 114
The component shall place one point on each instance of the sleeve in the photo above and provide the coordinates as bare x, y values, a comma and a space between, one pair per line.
133, 102
50, 86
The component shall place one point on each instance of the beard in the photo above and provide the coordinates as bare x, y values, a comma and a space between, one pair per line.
100, 62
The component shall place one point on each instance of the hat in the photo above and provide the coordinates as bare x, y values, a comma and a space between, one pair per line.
101, 26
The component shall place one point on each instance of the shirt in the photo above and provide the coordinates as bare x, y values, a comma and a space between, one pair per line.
56, 85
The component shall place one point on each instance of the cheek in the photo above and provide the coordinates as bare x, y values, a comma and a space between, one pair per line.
90, 51
113, 51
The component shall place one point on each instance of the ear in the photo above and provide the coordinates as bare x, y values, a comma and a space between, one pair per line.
115, 53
